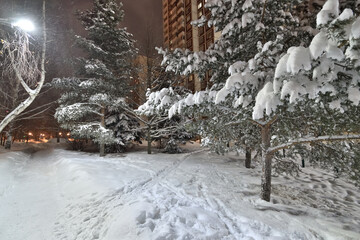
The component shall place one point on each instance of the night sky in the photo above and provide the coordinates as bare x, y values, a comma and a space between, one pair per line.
141, 16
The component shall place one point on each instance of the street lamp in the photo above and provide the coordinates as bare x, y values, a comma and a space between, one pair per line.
25, 25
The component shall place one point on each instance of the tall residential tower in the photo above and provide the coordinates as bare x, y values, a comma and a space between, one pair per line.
179, 33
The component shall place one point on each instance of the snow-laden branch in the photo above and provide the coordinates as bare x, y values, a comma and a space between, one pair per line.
261, 123
313, 139
134, 114
163, 132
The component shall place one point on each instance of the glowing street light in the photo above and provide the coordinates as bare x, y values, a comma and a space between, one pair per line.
25, 25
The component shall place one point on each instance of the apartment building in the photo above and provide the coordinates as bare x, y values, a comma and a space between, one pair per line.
179, 33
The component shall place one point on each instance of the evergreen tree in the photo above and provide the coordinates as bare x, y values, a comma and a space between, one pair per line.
313, 99
93, 103
254, 39
160, 127
253, 36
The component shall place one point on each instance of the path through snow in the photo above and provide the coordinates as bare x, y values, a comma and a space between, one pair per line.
48, 193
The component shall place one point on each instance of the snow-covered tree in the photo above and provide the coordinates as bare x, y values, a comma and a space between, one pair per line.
125, 125
159, 126
253, 36
93, 103
20, 65
313, 98
245, 27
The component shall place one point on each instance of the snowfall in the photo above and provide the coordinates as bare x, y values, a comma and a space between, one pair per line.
48, 192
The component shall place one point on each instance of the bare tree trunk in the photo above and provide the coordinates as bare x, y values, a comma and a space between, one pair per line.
57, 137
102, 124
149, 139
14, 102
8, 141
149, 76
248, 157
266, 163
149, 72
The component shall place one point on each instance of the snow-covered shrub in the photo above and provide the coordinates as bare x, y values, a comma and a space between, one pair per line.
172, 146
156, 109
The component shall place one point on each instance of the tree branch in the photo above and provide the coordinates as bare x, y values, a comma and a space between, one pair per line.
311, 140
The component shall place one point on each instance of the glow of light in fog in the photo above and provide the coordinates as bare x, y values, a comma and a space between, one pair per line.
25, 25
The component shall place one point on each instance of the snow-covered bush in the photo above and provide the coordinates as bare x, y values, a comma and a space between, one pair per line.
159, 127
172, 146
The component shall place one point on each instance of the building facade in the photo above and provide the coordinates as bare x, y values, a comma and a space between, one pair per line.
179, 33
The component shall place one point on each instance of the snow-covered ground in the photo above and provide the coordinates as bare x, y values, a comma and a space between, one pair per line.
51, 193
